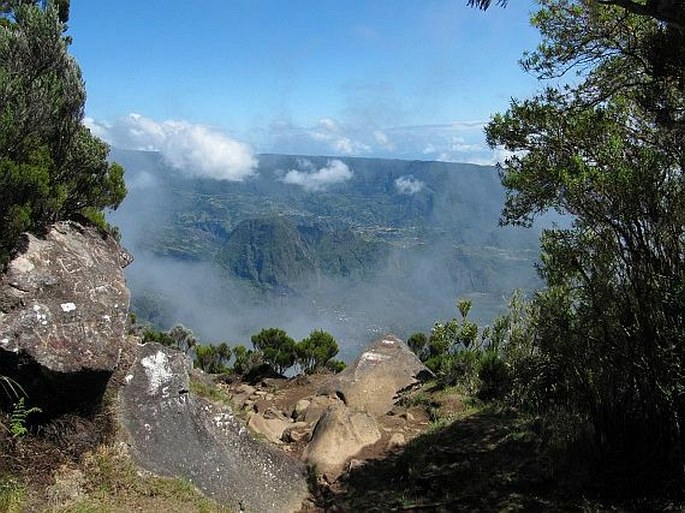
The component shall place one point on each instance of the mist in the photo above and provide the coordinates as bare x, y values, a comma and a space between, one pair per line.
409, 289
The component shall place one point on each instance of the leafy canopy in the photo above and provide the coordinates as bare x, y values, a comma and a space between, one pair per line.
608, 150
51, 166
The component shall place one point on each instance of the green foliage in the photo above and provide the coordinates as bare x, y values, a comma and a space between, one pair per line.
316, 351
179, 337
51, 166
418, 343
18, 418
277, 348
608, 347
490, 366
245, 360
451, 351
213, 359
335, 366
161, 337
12, 495
208, 389
493, 375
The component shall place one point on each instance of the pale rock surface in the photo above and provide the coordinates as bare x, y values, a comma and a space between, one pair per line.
340, 434
175, 433
374, 381
271, 428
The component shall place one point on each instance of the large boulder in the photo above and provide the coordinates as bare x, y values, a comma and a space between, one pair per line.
173, 432
63, 310
373, 382
340, 434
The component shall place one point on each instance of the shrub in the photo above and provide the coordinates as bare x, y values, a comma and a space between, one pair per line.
493, 376
213, 359
51, 166
316, 351
278, 350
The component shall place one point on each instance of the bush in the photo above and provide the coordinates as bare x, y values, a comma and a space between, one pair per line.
336, 366
418, 343
315, 352
51, 166
493, 376
213, 359
278, 350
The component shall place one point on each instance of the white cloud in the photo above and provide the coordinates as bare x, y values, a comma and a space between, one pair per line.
195, 150
339, 138
326, 137
143, 180
383, 140
316, 180
408, 185
451, 142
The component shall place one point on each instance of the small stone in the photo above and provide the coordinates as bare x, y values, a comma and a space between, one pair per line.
408, 416
396, 440
355, 464
300, 407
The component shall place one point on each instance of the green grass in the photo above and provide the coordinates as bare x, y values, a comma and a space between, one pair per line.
208, 391
110, 482
12, 495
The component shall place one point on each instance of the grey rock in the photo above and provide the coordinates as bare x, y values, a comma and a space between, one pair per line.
296, 432
175, 433
63, 312
375, 380
317, 407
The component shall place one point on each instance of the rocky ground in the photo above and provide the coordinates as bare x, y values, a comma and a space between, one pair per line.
283, 405
439, 451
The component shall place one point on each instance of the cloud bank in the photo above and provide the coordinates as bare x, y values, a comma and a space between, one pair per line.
317, 180
408, 185
194, 150
448, 142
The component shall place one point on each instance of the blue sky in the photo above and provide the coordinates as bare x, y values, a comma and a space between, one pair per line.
391, 78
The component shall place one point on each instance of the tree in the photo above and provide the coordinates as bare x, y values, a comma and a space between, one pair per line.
277, 348
608, 150
316, 351
51, 167
182, 338
213, 359
246, 361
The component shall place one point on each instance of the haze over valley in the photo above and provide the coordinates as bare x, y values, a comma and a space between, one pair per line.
355, 246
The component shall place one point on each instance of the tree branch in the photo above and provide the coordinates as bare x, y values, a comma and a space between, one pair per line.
670, 12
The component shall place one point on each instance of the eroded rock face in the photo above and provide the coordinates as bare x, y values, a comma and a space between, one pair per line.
372, 383
63, 309
173, 432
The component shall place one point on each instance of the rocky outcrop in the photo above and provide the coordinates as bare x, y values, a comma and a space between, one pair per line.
63, 310
173, 432
348, 405
372, 383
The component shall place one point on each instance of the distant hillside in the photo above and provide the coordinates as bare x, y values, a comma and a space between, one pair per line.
323, 229
274, 253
